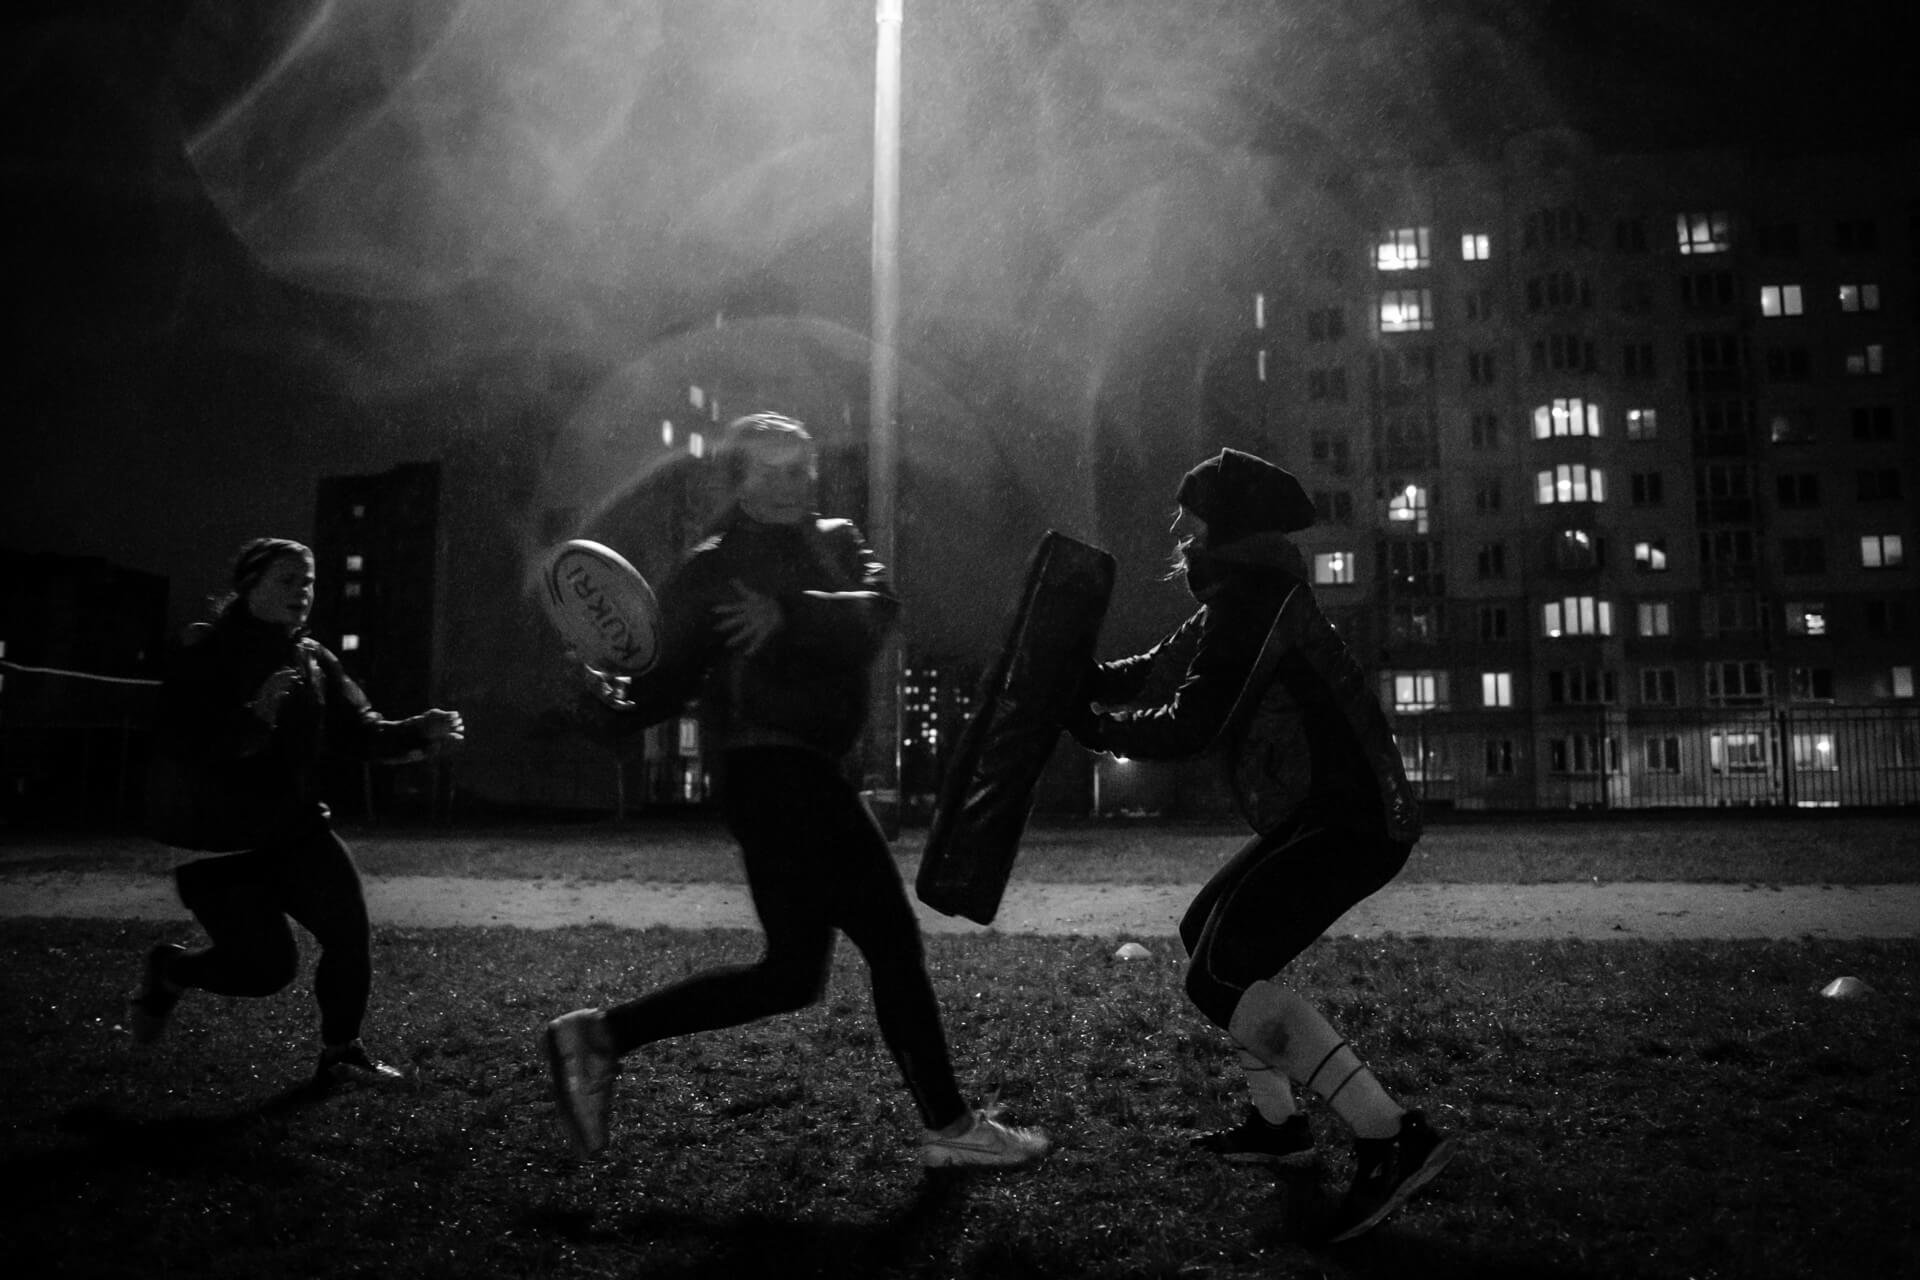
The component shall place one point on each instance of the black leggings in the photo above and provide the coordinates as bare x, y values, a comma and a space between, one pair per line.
1270, 901
243, 901
815, 861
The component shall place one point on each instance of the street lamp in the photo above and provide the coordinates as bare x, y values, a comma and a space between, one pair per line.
883, 396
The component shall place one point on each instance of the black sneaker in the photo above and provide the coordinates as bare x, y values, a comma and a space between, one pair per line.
1386, 1172
152, 1004
349, 1064
1255, 1141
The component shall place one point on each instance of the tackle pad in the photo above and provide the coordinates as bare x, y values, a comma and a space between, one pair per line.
986, 796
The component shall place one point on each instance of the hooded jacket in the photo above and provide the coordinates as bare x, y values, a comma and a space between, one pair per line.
1268, 684
808, 685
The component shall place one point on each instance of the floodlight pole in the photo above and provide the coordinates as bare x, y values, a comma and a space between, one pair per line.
883, 392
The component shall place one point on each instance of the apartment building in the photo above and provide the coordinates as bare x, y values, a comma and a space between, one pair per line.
1615, 457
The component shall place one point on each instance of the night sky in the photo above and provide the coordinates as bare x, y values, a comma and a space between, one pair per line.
256, 244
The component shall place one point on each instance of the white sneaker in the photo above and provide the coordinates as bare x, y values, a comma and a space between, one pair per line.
582, 1077
988, 1143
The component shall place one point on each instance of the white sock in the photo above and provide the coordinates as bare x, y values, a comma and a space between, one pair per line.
1268, 1088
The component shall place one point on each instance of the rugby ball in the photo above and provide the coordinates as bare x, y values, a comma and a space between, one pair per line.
602, 607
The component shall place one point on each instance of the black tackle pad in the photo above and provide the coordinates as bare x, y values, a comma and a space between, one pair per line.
987, 794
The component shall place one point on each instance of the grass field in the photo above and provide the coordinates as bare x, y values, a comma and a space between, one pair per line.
1710, 847
1626, 1109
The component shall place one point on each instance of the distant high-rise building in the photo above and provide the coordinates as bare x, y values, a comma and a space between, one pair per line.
1615, 458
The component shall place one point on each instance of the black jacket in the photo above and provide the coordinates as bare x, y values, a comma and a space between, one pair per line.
808, 686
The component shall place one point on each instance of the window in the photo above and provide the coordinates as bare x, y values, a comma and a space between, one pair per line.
1733, 613
1568, 416
1409, 505
1475, 246
1645, 488
1878, 485
1326, 324
1636, 296
1484, 429
1887, 617
1570, 482
1810, 684
1558, 290
1493, 621
1563, 224
1701, 233
1327, 384
1803, 555
1580, 753
1778, 240
1480, 368
1406, 310
1486, 495
1580, 687
1707, 290
351, 591
349, 642
1882, 551
1736, 751
1726, 549
1402, 249
359, 511
1406, 367
1742, 683
1500, 755
1659, 686
1872, 421
1854, 235
1797, 489
1413, 692
1661, 753
1789, 364
1900, 681
1813, 753
1414, 624
1413, 565
1479, 304
1650, 555
1870, 360
1630, 235
356, 563
1653, 618
1636, 360
1714, 361
1723, 491
1859, 297
1576, 616
1333, 569
1643, 424
1333, 506
1778, 300
1260, 365
1575, 550
1330, 451
1496, 688
1491, 561
1791, 426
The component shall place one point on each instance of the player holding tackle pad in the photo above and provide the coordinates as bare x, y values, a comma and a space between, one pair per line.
774, 623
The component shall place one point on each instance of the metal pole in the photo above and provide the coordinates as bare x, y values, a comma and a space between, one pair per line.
883, 460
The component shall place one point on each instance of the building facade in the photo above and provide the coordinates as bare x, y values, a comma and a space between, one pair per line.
1615, 458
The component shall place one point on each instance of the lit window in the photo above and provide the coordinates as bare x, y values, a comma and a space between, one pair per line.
1781, 300
1259, 310
1741, 683
1567, 416
1814, 753
1871, 358
697, 397
1662, 754
1806, 618
1642, 424
1655, 618
1476, 246
1406, 310
351, 591
1576, 616
1570, 482
1902, 682
1409, 504
359, 511
1651, 556
1703, 232
1859, 297
1416, 691
1260, 365
1403, 249
666, 432
348, 643
1333, 569
1496, 688
697, 445
356, 563
1882, 551
1736, 753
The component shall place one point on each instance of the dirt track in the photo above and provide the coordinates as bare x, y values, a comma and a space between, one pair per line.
1644, 911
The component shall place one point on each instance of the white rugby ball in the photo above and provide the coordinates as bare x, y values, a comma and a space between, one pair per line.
602, 607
